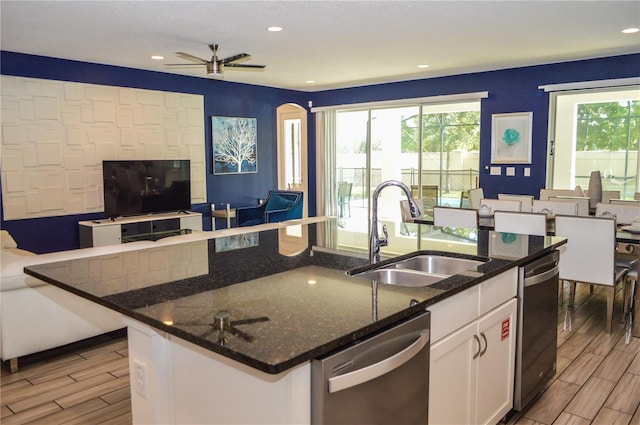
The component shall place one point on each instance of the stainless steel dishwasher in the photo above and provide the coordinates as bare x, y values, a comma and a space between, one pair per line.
536, 343
380, 380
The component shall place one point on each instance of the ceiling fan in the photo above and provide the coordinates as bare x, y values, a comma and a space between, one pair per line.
215, 66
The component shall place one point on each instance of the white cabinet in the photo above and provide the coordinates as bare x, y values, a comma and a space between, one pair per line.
113, 232
452, 380
472, 363
496, 364
187, 384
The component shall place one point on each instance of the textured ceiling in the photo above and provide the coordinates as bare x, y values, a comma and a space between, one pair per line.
334, 43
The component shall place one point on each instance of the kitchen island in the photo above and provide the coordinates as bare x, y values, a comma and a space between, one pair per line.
235, 344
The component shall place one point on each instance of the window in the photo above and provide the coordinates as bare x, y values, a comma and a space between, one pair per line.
596, 130
293, 162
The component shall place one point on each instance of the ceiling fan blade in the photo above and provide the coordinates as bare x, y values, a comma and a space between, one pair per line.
182, 64
189, 57
235, 58
240, 65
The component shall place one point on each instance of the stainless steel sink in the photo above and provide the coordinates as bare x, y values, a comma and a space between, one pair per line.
420, 270
437, 264
401, 277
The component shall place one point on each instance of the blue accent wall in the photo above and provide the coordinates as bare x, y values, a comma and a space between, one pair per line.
511, 90
220, 98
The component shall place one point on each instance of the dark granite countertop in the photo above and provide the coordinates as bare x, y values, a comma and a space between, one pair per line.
285, 310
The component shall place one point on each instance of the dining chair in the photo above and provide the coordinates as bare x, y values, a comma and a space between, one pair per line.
475, 196
405, 210
554, 207
464, 199
630, 288
526, 201
623, 213
546, 193
589, 256
582, 201
344, 197
501, 205
405, 213
624, 201
526, 223
607, 195
455, 217
429, 195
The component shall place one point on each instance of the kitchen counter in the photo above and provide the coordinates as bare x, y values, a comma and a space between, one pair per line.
286, 310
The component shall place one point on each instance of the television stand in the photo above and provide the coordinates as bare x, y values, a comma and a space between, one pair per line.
142, 227
154, 236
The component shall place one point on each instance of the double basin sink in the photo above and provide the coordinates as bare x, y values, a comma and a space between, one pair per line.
420, 270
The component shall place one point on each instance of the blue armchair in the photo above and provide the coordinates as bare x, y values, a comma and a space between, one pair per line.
280, 205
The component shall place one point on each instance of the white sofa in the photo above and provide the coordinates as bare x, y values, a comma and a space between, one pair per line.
36, 316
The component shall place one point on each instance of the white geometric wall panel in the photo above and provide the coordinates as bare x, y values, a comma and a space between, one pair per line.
55, 135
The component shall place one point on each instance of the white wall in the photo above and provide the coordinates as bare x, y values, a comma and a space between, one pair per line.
55, 135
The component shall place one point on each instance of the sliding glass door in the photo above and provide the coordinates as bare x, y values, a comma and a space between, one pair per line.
451, 149
432, 148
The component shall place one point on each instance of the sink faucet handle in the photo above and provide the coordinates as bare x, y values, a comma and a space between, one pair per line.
384, 241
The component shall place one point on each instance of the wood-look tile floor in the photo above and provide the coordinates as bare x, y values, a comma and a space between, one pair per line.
83, 383
598, 376
597, 381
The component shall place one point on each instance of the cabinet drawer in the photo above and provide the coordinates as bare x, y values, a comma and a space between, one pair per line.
498, 290
454, 312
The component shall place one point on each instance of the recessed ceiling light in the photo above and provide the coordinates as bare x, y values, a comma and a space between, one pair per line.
423, 66
274, 29
310, 81
630, 30
157, 57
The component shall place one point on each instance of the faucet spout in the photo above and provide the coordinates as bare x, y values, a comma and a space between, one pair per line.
375, 241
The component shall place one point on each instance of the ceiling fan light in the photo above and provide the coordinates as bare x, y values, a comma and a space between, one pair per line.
213, 70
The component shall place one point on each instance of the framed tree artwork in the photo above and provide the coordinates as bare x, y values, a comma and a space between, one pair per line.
511, 138
235, 148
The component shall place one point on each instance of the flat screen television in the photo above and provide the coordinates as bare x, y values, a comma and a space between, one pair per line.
135, 187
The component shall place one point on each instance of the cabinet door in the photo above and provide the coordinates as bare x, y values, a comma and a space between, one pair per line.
192, 221
106, 235
495, 371
452, 377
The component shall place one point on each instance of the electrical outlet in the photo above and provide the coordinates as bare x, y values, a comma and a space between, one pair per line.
140, 378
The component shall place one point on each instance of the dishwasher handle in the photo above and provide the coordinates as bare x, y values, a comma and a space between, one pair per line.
540, 278
357, 377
